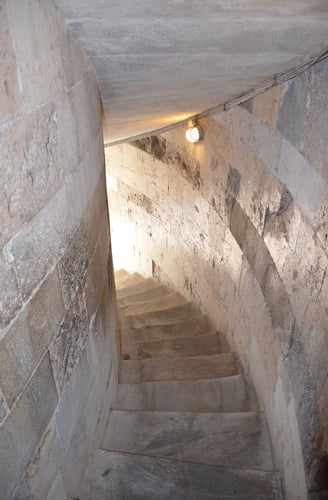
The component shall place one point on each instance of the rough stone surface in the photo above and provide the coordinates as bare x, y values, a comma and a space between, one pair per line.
118, 475
53, 212
25, 426
28, 337
69, 341
253, 254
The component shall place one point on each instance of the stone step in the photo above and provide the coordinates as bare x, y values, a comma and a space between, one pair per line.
141, 286
123, 476
166, 317
227, 394
197, 325
192, 368
177, 348
131, 279
225, 439
156, 291
162, 304
120, 274
146, 285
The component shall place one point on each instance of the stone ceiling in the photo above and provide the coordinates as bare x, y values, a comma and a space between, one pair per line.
160, 61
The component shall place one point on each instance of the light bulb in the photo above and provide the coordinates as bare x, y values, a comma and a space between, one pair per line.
194, 134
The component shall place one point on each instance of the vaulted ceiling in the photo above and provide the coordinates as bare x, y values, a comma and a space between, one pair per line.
160, 61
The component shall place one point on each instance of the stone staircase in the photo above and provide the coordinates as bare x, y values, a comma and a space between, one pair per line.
184, 426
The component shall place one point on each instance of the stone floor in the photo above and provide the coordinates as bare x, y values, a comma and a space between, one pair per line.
185, 424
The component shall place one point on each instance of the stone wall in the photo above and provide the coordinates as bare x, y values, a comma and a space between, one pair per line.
57, 309
239, 223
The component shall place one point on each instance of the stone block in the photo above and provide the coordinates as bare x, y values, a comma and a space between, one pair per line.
73, 264
252, 243
76, 66
25, 427
292, 112
262, 263
266, 105
68, 344
323, 406
28, 337
85, 102
38, 50
32, 168
4, 410
37, 247
96, 279
238, 223
279, 305
57, 490
10, 99
315, 143
95, 212
10, 294
42, 470
72, 401
75, 462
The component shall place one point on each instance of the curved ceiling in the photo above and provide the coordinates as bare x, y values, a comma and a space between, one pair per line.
160, 61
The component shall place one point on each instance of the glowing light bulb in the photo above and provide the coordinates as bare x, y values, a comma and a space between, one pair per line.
194, 134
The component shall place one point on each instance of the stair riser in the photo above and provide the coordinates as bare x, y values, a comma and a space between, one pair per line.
225, 439
121, 476
197, 326
177, 348
202, 396
216, 366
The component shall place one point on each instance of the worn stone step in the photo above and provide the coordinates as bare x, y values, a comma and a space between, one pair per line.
225, 439
192, 368
120, 274
131, 279
177, 348
163, 304
227, 394
123, 476
146, 285
166, 317
197, 325
156, 291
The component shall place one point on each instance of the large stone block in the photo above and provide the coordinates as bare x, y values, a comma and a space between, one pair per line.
10, 294
279, 306
96, 278
96, 211
42, 469
73, 264
315, 143
4, 410
292, 112
68, 345
265, 106
10, 99
25, 427
28, 337
32, 169
38, 50
38, 246
73, 397
238, 223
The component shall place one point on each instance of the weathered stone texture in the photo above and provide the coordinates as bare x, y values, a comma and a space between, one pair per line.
53, 213
241, 228
69, 341
74, 263
29, 335
41, 473
25, 426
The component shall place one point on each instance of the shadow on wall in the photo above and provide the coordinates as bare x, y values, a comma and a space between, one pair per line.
239, 224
